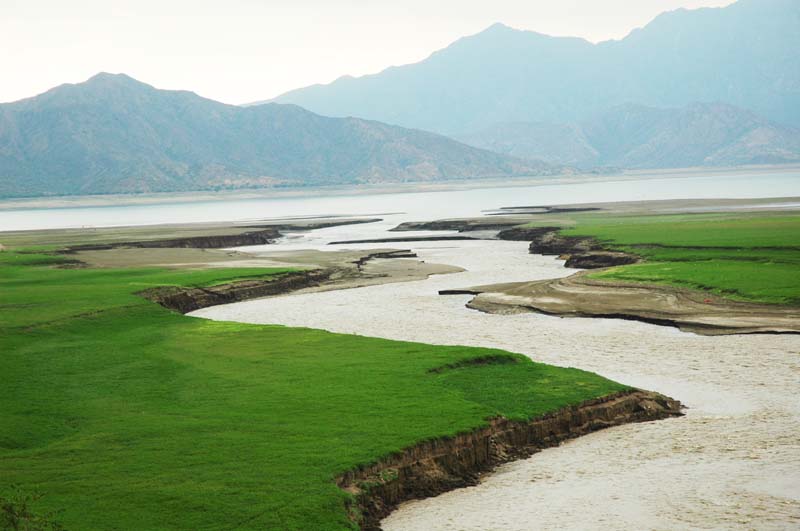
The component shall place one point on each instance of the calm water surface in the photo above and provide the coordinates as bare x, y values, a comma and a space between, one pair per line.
416, 205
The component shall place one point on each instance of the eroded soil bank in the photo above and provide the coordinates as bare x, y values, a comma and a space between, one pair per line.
367, 268
729, 463
580, 296
434, 467
185, 300
214, 236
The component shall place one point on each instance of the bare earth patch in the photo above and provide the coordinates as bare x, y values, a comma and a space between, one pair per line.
691, 311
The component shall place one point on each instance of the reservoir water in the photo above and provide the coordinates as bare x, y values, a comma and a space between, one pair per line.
419, 205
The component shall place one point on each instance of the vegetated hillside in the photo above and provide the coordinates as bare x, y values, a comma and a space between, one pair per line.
113, 134
633, 136
744, 55
563, 142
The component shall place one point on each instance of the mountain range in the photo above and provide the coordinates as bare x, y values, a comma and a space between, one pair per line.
113, 134
745, 55
637, 137
704, 87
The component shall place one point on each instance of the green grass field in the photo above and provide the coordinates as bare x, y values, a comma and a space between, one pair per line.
127, 416
745, 256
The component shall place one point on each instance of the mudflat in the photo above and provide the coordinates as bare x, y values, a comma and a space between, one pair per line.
692, 311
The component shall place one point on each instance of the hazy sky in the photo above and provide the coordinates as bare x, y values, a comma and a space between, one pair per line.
240, 51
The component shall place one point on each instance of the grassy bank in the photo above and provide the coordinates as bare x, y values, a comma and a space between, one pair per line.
744, 256
128, 416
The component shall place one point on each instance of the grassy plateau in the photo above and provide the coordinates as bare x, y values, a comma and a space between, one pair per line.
125, 416
745, 256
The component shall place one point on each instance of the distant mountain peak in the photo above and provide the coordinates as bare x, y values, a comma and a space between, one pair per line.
500, 32
499, 27
107, 79
743, 54
108, 76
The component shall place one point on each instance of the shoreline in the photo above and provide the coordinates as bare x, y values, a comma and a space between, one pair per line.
346, 275
165, 198
574, 296
688, 310
434, 467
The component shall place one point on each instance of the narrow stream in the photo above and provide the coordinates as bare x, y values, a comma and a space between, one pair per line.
733, 462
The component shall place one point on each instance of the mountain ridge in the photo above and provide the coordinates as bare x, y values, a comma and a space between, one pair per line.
114, 134
742, 54
638, 137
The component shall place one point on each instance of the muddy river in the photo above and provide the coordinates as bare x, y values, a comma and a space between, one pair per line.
733, 462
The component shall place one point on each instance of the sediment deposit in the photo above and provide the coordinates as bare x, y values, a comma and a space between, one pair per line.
692, 311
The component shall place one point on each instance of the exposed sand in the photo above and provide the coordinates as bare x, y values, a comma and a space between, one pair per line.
693, 311
170, 257
167, 231
733, 462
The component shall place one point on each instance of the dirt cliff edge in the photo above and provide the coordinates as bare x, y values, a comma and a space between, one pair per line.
433, 467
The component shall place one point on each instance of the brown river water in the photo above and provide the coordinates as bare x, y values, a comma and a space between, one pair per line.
733, 462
